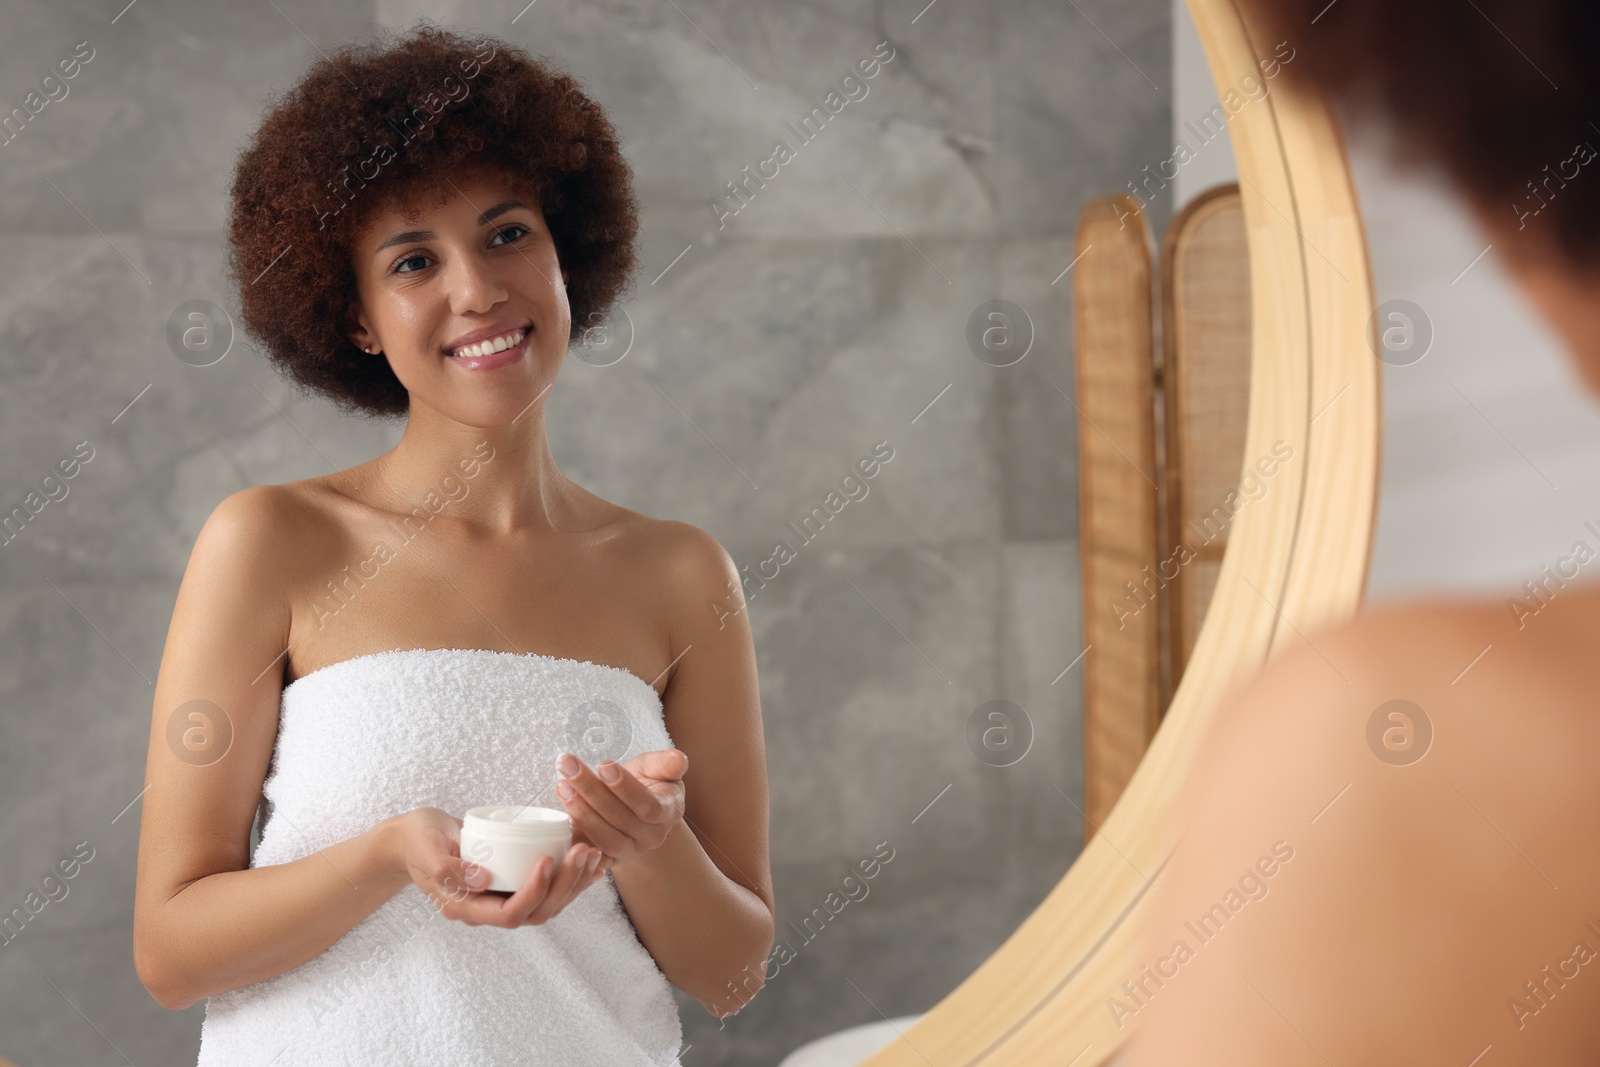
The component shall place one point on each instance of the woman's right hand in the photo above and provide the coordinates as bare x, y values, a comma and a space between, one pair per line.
428, 849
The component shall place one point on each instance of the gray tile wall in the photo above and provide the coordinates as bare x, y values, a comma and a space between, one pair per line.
829, 314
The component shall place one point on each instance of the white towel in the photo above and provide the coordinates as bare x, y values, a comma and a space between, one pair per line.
370, 737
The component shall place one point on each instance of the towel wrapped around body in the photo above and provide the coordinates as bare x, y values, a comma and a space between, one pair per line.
371, 737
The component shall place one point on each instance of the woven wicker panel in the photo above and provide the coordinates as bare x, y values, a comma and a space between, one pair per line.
1205, 296
1112, 304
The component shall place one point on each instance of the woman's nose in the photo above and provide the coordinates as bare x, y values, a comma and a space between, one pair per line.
474, 285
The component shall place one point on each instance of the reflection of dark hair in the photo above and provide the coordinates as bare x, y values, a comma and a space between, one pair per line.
1473, 88
377, 124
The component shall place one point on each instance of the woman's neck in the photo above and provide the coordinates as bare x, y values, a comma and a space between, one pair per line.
500, 479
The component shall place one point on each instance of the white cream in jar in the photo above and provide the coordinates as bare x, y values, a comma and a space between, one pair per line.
508, 840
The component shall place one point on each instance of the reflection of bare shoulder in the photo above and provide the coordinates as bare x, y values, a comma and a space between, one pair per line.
1429, 770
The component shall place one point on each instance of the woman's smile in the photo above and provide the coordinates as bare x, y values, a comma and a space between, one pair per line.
489, 354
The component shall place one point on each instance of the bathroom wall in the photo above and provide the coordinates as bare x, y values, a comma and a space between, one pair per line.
1489, 439
771, 350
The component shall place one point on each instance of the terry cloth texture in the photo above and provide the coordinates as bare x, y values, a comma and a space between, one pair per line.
374, 736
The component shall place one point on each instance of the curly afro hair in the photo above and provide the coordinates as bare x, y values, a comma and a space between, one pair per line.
377, 123
1502, 95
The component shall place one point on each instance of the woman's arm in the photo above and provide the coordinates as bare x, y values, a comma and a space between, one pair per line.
204, 921
702, 900
709, 933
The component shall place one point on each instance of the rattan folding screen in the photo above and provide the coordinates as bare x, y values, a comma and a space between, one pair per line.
1161, 443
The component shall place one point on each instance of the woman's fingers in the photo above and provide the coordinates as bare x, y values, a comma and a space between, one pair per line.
543, 882
476, 906
455, 878
642, 801
548, 889
584, 880
630, 814
602, 797
662, 764
456, 883
466, 886
596, 830
567, 882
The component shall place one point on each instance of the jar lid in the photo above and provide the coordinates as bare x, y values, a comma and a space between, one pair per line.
521, 821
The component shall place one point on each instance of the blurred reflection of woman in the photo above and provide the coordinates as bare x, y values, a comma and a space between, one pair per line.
419, 229
1442, 909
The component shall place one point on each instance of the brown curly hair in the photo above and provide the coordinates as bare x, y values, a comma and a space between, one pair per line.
1503, 95
376, 123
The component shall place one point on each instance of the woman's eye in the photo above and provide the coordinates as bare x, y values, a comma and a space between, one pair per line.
513, 228
516, 228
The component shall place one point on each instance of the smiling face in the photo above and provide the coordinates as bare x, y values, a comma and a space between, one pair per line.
473, 265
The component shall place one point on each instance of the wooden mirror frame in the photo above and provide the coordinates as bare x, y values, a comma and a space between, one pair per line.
1296, 560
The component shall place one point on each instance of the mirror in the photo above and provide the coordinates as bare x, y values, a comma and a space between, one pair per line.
800, 316
1293, 563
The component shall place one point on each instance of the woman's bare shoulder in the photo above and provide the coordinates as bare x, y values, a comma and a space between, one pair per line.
282, 526
684, 542
276, 500
1440, 710
1469, 662
254, 516
1471, 649
1427, 767
667, 546
696, 578
1439, 643
693, 564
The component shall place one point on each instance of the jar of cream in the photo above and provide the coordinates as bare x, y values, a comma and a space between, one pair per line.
508, 840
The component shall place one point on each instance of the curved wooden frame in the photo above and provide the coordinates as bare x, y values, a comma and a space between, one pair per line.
1296, 561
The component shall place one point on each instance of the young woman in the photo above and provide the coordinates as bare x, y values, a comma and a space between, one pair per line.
1390, 853
419, 229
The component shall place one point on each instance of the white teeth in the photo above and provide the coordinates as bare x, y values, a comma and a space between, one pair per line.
491, 346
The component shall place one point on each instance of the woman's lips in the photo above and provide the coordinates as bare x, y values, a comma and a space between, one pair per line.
494, 359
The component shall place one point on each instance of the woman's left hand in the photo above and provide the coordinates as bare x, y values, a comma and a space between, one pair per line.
632, 815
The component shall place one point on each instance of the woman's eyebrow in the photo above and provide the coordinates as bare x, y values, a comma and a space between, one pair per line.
427, 235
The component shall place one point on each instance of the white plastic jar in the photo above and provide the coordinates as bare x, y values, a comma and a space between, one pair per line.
508, 840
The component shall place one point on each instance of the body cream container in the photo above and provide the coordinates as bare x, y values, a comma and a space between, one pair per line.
509, 840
